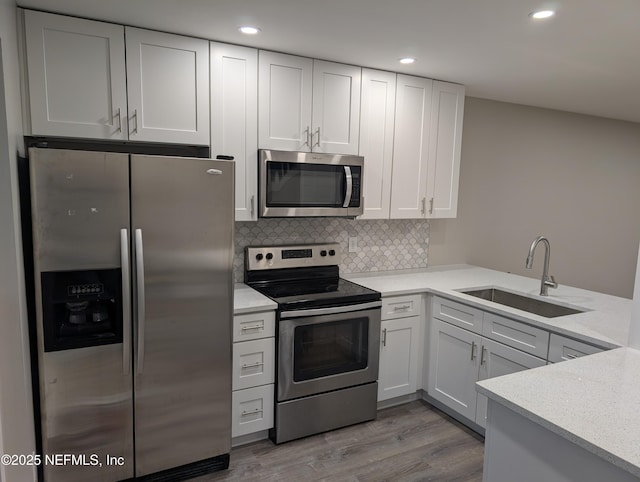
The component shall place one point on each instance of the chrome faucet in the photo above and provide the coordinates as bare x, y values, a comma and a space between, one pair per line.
547, 281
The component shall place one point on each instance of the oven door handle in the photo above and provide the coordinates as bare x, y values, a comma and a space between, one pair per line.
347, 194
330, 311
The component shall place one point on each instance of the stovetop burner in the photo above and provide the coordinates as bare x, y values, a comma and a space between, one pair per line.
301, 277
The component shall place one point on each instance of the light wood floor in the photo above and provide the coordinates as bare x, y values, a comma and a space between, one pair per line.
411, 442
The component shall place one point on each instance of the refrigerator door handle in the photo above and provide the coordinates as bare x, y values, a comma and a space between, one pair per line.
140, 299
126, 301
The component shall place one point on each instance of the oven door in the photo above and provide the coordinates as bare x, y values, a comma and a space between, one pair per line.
309, 184
327, 351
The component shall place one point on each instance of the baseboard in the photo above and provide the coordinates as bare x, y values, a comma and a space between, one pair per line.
392, 402
249, 438
453, 414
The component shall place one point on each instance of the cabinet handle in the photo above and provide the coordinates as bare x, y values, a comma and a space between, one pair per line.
253, 365
135, 126
318, 141
254, 327
473, 350
402, 308
571, 356
431, 206
119, 129
250, 412
384, 337
251, 201
483, 360
307, 132
424, 208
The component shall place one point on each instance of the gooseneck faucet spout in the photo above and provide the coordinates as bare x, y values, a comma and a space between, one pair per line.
546, 281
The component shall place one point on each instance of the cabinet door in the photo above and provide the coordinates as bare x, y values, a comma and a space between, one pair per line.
377, 114
562, 348
398, 373
336, 107
410, 147
447, 107
167, 87
252, 410
234, 119
284, 102
253, 363
458, 314
453, 367
496, 360
77, 81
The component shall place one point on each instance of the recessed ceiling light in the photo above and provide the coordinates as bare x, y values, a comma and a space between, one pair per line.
542, 14
407, 60
249, 30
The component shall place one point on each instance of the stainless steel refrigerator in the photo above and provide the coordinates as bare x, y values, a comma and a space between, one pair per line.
134, 296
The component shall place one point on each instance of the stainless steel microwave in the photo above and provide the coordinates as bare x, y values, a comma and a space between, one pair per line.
309, 184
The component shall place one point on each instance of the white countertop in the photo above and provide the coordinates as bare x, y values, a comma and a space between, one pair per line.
593, 401
605, 324
248, 300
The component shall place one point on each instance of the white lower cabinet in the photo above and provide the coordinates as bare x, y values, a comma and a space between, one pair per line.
398, 357
252, 410
400, 342
496, 360
453, 367
562, 348
253, 363
459, 358
253, 373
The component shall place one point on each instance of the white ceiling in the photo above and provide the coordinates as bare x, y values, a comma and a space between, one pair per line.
585, 59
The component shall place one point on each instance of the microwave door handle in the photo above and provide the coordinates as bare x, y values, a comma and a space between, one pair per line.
347, 194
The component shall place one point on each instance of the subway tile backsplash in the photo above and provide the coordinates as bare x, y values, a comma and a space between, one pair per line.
382, 244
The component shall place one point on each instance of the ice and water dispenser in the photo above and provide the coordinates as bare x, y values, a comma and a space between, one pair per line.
81, 308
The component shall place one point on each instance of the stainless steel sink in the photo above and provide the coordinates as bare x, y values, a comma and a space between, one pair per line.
520, 302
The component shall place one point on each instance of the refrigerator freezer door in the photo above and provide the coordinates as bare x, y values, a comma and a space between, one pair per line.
182, 217
80, 202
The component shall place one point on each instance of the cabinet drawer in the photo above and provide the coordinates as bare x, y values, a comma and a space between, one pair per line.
518, 335
562, 348
401, 306
254, 325
252, 410
457, 314
253, 363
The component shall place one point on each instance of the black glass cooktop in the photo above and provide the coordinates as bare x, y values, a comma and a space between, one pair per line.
315, 293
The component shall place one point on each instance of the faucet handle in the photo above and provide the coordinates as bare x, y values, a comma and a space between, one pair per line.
551, 282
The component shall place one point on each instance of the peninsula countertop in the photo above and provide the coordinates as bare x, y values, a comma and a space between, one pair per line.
591, 401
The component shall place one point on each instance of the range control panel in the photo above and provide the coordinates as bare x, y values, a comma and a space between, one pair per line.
277, 257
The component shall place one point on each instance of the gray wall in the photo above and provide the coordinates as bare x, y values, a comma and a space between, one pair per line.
527, 171
16, 413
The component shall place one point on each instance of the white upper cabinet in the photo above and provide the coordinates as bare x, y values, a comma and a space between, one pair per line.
168, 87
284, 98
426, 157
336, 108
76, 77
377, 112
234, 119
447, 108
410, 147
81, 86
307, 105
